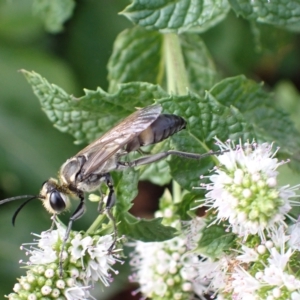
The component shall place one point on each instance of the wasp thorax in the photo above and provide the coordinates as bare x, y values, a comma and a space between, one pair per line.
54, 199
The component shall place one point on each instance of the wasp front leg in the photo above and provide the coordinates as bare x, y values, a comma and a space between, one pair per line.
109, 204
53, 218
80, 210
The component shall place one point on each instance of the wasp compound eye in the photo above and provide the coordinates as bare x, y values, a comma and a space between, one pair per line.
57, 201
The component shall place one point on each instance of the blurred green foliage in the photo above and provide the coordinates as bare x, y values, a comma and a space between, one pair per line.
31, 150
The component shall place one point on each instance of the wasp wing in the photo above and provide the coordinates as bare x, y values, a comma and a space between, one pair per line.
116, 138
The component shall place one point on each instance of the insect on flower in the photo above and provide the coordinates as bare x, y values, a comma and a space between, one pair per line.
88, 169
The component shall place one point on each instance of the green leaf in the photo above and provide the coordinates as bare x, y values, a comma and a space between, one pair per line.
183, 208
177, 16
87, 117
125, 185
136, 57
145, 230
276, 12
202, 74
158, 172
214, 241
139, 229
271, 123
54, 13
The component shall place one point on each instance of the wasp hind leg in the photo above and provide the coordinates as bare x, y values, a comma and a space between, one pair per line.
158, 156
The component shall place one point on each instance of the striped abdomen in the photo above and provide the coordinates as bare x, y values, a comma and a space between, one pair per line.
162, 128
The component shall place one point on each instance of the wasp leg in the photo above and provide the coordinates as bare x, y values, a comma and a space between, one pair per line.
101, 202
76, 215
110, 202
113, 220
156, 157
140, 151
52, 224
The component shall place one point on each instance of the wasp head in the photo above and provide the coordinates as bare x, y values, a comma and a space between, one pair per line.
54, 196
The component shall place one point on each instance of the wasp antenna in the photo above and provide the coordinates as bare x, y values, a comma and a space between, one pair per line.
19, 209
18, 198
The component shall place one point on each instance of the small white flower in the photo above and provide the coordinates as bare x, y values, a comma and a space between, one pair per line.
273, 275
49, 273
294, 241
46, 290
45, 253
291, 282
249, 255
45, 256
261, 249
17, 287
78, 293
50, 237
80, 246
213, 273
60, 284
101, 260
243, 284
279, 260
32, 297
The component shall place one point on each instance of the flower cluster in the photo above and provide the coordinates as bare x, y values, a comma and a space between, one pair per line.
260, 260
255, 271
166, 270
86, 260
245, 249
244, 190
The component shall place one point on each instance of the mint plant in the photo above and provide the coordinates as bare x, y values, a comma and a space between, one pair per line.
163, 59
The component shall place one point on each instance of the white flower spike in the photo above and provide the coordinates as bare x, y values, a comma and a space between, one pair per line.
244, 189
86, 261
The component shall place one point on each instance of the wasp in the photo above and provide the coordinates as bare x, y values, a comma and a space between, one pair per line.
90, 168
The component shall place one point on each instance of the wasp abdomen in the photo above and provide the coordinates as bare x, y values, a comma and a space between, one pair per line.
165, 126
162, 128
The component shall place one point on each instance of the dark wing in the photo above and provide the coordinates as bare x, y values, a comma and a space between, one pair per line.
107, 145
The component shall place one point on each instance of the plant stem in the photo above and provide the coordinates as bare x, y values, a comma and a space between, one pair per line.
177, 80
96, 224
177, 197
